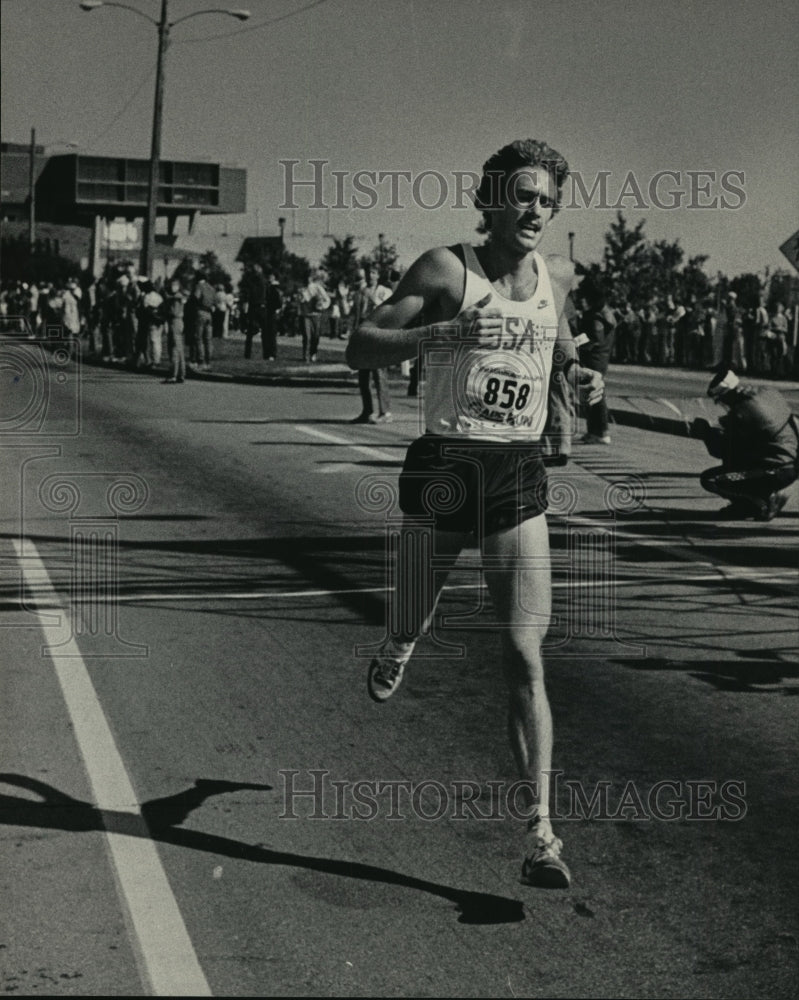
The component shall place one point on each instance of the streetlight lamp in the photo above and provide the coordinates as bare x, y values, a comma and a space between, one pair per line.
163, 26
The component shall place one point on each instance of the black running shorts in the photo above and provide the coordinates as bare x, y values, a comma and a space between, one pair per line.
466, 486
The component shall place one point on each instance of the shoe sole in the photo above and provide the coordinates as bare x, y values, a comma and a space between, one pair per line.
546, 876
379, 694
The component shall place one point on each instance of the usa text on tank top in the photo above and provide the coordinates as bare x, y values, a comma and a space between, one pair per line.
497, 392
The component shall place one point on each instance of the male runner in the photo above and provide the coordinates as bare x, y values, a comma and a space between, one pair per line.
497, 309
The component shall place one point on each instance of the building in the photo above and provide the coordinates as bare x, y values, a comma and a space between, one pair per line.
104, 198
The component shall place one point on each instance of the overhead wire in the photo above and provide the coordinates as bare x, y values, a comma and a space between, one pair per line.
189, 41
251, 27
107, 128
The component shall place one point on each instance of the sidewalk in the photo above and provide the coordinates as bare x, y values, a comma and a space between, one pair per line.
664, 414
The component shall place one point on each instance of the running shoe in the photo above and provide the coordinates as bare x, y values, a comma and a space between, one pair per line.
543, 867
595, 439
387, 668
771, 507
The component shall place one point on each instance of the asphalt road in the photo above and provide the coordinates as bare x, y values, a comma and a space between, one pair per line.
192, 574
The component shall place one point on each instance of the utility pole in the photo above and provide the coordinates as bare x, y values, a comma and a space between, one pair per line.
148, 232
163, 27
571, 246
32, 192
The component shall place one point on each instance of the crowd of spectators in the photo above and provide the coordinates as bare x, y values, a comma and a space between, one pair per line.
122, 316
701, 335
125, 317
320, 308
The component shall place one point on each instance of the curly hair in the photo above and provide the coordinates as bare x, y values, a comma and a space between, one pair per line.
517, 154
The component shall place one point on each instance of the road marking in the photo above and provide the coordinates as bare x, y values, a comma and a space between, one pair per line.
363, 449
166, 956
626, 580
678, 553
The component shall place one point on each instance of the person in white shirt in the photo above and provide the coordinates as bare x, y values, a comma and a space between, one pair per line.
152, 318
315, 301
370, 295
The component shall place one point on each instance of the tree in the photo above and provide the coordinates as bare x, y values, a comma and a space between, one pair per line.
184, 272
695, 284
209, 264
637, 271
17, 263
341, 261
290, 270
214, 272
383, 257
748, 289
783, 287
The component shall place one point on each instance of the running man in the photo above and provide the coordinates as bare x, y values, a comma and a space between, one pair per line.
497, 310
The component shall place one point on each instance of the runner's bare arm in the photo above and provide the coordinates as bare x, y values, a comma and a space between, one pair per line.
433, 289
387, 338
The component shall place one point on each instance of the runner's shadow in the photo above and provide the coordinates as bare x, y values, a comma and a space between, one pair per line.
160, 820
766, 674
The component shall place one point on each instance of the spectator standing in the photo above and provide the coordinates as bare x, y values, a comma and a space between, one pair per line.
711, 335
254, 296
315, 302
628, 335
695, 340
762, 337
674, 313
273, 303
152, 323
131, 317
219, 322
70, 309
32, 306
369, 295
734, 348
174, 307
649, 334
661, 334
598, 327
779, 345
205, 298
343, 305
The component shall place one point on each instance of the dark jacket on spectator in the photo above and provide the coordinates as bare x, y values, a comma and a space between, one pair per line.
758, 431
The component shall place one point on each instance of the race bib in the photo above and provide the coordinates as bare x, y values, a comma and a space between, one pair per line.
502, 388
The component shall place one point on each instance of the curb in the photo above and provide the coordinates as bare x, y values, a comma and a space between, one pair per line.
342, 377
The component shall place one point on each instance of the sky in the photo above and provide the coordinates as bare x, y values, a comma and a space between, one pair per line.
626, 90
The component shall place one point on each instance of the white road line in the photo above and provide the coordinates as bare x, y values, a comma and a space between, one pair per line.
382, 456
678, 553
641, 580
167, 960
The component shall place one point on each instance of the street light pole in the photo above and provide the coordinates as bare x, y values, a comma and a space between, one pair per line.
32, 192
148, 232
163, 26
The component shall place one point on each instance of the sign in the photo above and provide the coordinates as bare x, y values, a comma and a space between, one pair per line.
790, 249
121, 236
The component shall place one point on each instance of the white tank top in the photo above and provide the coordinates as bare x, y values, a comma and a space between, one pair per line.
496, 393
